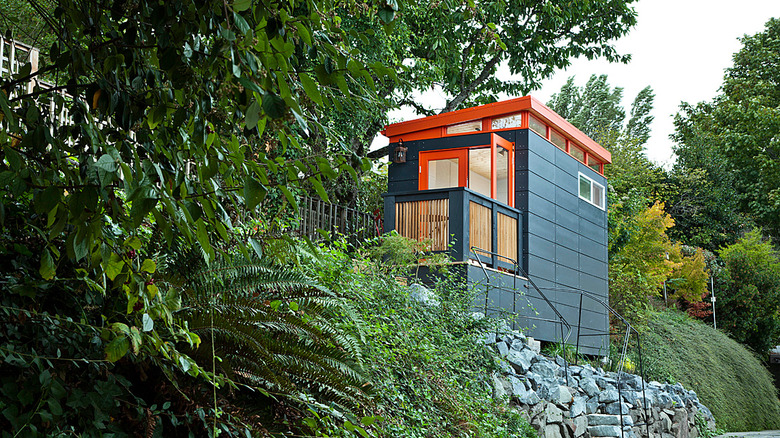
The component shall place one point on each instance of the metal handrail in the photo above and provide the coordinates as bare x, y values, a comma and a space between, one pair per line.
475, 250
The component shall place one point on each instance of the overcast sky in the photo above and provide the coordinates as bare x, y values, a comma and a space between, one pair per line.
679, 47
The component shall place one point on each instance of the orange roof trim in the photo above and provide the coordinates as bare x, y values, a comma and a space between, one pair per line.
412, 129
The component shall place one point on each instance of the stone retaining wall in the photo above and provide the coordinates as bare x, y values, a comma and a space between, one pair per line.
589, 404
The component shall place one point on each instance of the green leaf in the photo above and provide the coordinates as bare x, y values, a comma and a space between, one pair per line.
386, 14
254, 193
252, 115
117, 348
113, 266
148, 323
290, 198
315, 182
293, 306
310, 87
241, 5
149, 266
54, 407
48, 268
274, 106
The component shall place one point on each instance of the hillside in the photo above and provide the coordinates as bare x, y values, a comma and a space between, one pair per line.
727, 377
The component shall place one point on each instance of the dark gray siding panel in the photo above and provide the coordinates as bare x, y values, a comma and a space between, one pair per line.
543, 248
541, 167
566, 276
540, 206
541, 187
541, 147
566, 218
540, 226
540, 268
567, 257
566, 237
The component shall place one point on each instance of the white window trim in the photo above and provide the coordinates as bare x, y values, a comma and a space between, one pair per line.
602, 204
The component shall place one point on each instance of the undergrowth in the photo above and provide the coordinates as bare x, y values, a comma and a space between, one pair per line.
727, 377
431, 373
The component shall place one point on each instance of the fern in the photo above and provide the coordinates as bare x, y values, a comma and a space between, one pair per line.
271, 328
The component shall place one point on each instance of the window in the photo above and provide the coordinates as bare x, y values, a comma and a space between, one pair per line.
513, 121
591, 191
487, 170
460, 128
576, 152
594, 163
558, 140
537, 126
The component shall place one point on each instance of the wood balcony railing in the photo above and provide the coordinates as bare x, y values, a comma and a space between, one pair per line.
456, 220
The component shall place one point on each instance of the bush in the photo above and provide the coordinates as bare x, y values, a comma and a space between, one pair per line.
727, 377
430, 372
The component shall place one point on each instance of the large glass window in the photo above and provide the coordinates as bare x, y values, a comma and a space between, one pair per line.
475, 125
513, 121
443, 173
537, 126
486, 170
479, 171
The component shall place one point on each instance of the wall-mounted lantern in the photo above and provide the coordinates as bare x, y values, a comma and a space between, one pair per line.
399, 154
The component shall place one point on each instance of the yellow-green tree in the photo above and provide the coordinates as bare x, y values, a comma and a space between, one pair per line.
643, 257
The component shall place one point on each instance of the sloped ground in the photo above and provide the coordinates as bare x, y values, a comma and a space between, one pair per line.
727, 377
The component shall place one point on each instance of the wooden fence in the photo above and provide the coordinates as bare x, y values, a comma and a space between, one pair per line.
320, 220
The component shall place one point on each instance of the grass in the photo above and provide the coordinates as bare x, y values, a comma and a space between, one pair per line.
726, 376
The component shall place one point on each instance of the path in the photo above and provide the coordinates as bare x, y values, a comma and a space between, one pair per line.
762, 434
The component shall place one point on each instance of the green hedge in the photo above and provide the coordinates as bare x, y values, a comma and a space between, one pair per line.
727, 377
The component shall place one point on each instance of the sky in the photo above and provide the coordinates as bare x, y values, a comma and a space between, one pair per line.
678, 47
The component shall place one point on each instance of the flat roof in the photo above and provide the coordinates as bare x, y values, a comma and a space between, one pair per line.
498, 109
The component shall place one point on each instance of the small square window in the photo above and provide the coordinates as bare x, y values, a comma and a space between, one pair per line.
591, 191
558, 140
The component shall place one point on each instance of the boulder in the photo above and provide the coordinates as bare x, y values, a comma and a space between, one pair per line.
617, 408
503, 349
589, 386
608, 396
546, 369
611, 431
423, 295
553, 414
520, 360
552, 431
603, 420
501, 387
578, 406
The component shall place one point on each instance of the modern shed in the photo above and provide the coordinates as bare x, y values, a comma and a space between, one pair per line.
517, 196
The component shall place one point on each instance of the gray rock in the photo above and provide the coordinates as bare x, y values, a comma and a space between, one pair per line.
579, 426
589, 386
518, 386
615, 408
592, 405
552, 431
490, 338
546, 369
578, 406
603, 420
612, 431
664, 400
666, 422
561, 396
423, 295
528, 397
608, 396
534, 345
503, 349
587, 371
520, 360
501, 387
553, 414
605, 382
631, 397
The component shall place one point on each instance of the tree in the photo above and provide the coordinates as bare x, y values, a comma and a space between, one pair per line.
596, 110
642, 258
182, 118
748, 291
739, 129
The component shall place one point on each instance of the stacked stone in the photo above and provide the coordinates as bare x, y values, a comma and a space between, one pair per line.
577, 401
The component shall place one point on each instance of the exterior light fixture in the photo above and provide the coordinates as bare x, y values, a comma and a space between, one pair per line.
399, 154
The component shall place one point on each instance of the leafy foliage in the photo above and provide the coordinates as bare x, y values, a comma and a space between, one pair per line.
431, 374
646, 258
748, 292
271, 328
734, 137
726, 376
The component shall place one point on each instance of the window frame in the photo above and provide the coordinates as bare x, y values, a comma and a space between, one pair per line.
462, 154
603, 201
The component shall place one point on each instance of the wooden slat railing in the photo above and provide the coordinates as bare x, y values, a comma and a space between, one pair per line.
455, 220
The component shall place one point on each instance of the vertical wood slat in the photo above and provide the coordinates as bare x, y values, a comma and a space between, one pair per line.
507, 237
480, 227
422, 220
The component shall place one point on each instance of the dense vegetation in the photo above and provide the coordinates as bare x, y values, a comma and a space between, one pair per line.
728, 378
